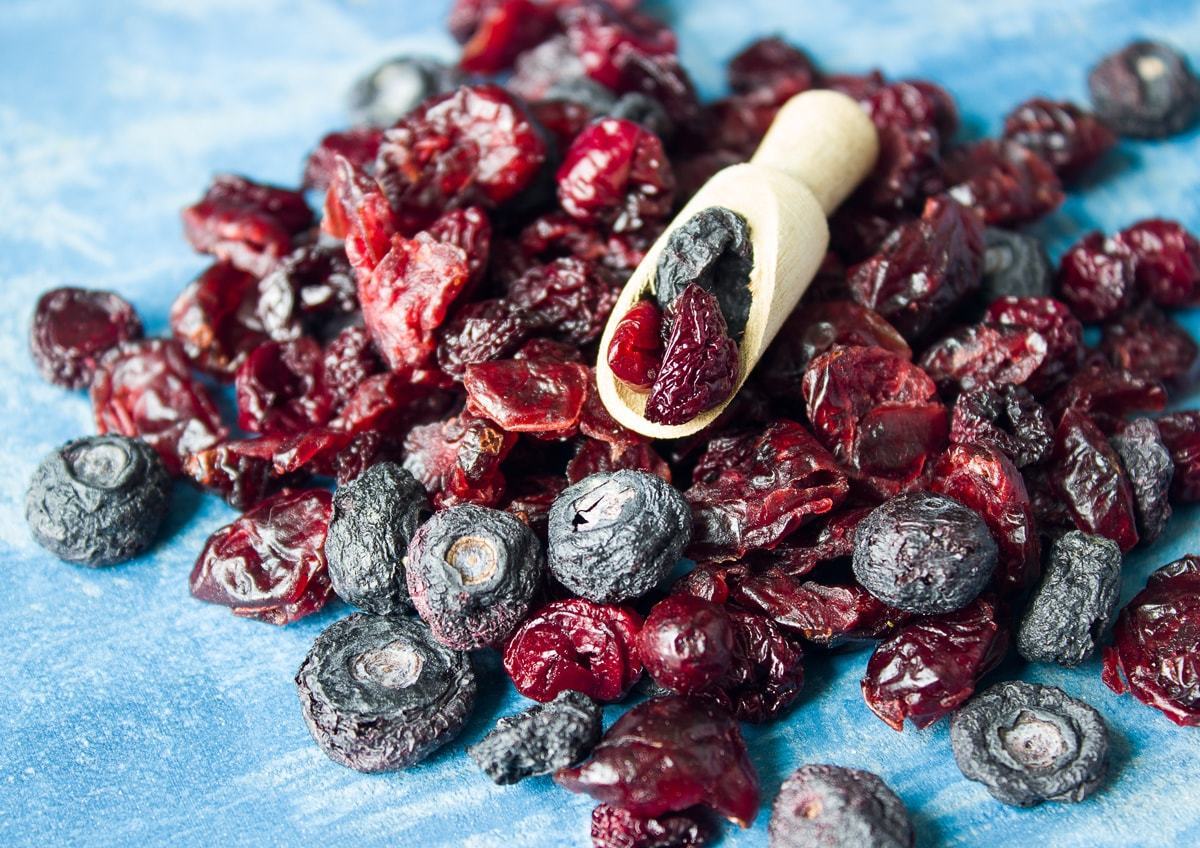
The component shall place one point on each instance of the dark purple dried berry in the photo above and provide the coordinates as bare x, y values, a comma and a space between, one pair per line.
540, 740
1145, 90
1028, 744
837, 807
378, 693
1075, 601
1015, 265
1007, 418
396, 87
98, 500
73, 328
472, 573
1149, 467
686, 643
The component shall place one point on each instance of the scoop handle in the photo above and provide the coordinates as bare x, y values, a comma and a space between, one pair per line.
825, 140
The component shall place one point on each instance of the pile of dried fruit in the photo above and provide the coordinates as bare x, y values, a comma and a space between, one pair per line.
926, 423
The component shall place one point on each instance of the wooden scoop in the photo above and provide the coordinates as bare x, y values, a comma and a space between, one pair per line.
818, 149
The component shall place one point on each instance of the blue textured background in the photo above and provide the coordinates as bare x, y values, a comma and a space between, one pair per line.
130, 713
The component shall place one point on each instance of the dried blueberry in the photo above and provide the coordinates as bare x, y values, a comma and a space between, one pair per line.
1074, 602
924, 553
472, 574
615, 535
378, 693
1015, 265
644, 110
98, 500
834, 806
1149, 467
542, 739
712, 249
397, 86
1028, 744
1145, 90
374, 518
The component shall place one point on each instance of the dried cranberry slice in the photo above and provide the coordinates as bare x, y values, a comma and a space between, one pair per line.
1069, 139
73, 328
636, 352
529, 396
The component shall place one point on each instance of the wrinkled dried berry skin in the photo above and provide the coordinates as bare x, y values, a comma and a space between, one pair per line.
924, 553
613, 827
73, 328
1014, 265
1145, 90
1007, 418
1096, 277
615, 536
1153, 654
1028, 744
379, 694
1074, 602
1004, 182
396, 87
374, 517
838, 807
1149, 344
983, 355
1149, 467
767, 671
540, 740
1068, 138
823, 614
98, 500
472, 573
669, 754
686, 643
714, 250
636, 351
1168, 261
1088, 477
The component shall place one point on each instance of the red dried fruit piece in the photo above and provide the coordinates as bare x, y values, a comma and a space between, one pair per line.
594, 456
240, 471
472, 147
481, 332
349, 360
804, 552
357, 210
603, 37
1069, 139
597, 423
923, 269
711, 582
1155, 644
1180, 432
556, 235
772, 67
1088, 477
578, 645
529, 396
530, 497
504, 29
1107, 395
1096, 277
1005, 183
270, 563
668, 754
1151, 346
984, 355
908, 167
687, 643
1053, 320
563, 119
458, 460
358, 145
737, 124
314, 283
145, 390
407, 296
1166, 259
932, 665
280, 388
568, 298
246, 223
613, 827
700, 364
987, 481
766, 674
661, 78
1006, 418
636, 352
389, 403
74, 328
824, 614
548, 350
772, 483
470, 230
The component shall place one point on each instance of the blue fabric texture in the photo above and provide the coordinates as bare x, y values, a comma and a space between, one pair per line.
131, 714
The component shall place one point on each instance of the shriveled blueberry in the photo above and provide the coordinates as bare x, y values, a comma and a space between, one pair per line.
615, 535
379, 694
1150, 468
542, 739
472, 574
836, 807
1015, 265
1074, 602
1028, 744
1145, 90
394, 88
374, 518
644, 110
924, 553
98, 500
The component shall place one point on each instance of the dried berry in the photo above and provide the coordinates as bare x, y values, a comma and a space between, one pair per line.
636, 352
613, 827
481, 332
1074, 602
396, 87
1088, 477
1096, 277
1005, 183
985, 355
1181, 434
1014, 265
374, 517
529, 396
578, 645
824, 614
280, 388
98, 500
1068, 138
1028, 744
540, 740
1006, 418
1149, 467
686, 643
499, 31
1107, 395
714, 250
924, 553
1145, 90
73, 328
833, 806
378, 693
773, 66
568, 298
1154, 644
1168, 261
269, 564
668, 754
472, 573
1059, 328
358, 145
906, 119
242, 471
616, 536
1150, 345
458, 460
766, 674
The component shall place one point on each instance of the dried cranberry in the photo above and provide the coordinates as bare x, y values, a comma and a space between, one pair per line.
923, 269
805, 551
481, 332
668, 754
773, 66
1006, 418
246, 223
594, 456
556, 235
1167, 261
528, 396
824, 614
1154, 643
563, 119
985, 355
357, 211
358, 145
575, 644
1107, 394
909, 146
458, 460
636, 351
145, 389
1053, 321
349, 359
73, 328
1069, 139
270, 563
1181, 434
1088, 476
568, 298
613, 827
686, 643
766, 674
1003, 181
1149, 345
1096, 277
932, 665
241, 471
470, 230
388, 402
314, 282
501, 30
604, 37
280, 388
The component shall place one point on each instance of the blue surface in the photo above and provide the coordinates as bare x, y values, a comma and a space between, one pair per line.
131, 714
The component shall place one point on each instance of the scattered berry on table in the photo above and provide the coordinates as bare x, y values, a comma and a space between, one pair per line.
838, 807
1014, 265
73, 328
1145, 90
540, 740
